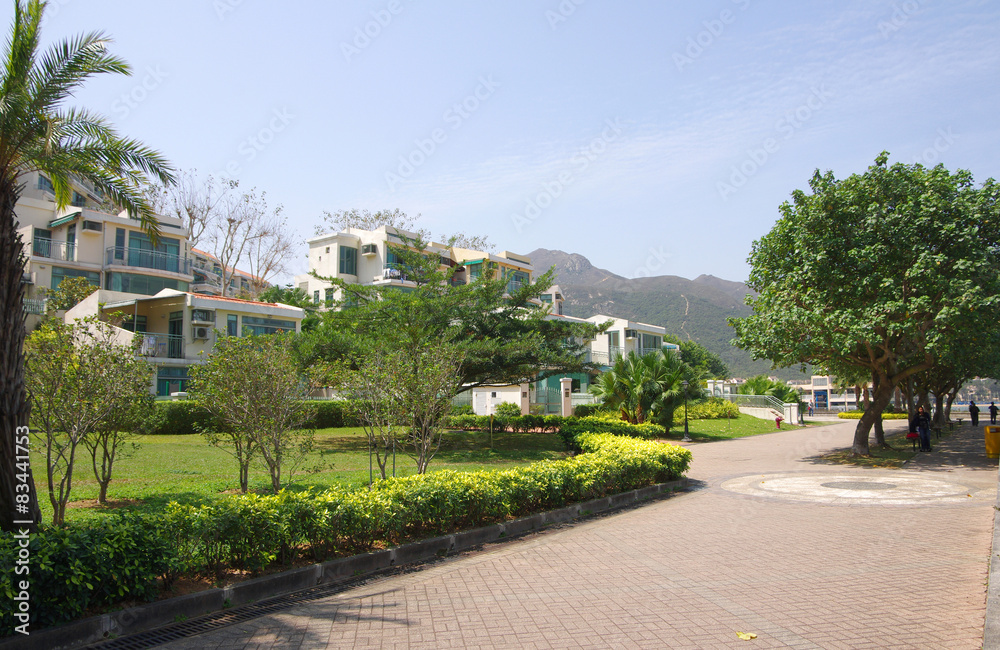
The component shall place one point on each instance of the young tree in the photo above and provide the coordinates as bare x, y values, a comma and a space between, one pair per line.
428, 379
76, 374
37, 133
647, 388
127, 414
69, 294
252, 387
341, 220
376, 400
877, 272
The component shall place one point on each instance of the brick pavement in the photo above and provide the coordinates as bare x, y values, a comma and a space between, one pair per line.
691, 570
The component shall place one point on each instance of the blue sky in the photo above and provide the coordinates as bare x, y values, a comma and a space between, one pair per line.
655, 139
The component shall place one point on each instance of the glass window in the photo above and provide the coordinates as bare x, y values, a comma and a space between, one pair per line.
329, 297
45, 184
142, 284
258, 325
348, 260
203, 315
315, 297
119, 243
79, 200
138, 326
232, 325
42, 243
58, 273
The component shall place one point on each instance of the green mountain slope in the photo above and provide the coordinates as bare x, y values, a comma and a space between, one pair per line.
691, 309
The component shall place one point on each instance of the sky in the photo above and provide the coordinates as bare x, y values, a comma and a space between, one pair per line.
654, 138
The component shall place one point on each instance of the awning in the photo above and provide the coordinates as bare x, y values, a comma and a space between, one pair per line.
64, 220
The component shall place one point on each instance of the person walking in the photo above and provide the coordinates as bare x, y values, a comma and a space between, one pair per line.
993, 412
974, 413
923, 422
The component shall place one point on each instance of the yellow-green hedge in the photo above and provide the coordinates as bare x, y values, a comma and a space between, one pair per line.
856, 415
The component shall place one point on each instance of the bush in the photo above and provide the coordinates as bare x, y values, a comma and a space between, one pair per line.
714, 408
183, 417
584, 410
463, 409
507, 410
856, 415
571, 428
180, 417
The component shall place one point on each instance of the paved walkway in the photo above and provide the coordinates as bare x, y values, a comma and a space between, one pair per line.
864, 569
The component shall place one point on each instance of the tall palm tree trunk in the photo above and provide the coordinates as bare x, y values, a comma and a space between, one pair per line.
14, 404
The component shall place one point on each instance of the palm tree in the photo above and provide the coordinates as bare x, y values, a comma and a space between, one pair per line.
37, 133
649, 387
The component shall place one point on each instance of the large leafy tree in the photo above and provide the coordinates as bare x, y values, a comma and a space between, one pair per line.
878, 271
38, 133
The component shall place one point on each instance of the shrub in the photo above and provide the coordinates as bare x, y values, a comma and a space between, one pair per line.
333, 413
571, 428
714, 408
507, 410
463, 409
584, 410
856, 415
180, 417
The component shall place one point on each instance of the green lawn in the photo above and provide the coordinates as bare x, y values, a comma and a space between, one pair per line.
738, 427
188, 470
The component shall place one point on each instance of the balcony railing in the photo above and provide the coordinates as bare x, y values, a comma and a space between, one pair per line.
32, 306
602, 357
170, 346
147, 259
644, 351
53, 250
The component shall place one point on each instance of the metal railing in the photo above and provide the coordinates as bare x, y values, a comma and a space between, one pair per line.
147, 259
170, 346
644, 351
32, 306
54, 250
757, 401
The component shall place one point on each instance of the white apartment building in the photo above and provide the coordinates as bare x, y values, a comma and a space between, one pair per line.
368, 258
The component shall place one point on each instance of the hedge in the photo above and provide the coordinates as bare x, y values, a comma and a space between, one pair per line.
856, 415
183, 417
122, 558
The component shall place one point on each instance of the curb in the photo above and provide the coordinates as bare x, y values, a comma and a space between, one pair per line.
173, 610
991, 630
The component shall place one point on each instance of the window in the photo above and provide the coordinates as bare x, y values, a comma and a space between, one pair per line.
58, 273
650, 341
119, 243
327, 250
42, 243
138, 326
348, 260
516, 280
141, 284
329, 297
71, 242
546, 297
203, 315
79, 200
232, 325
316, 297
258, 325
45, 184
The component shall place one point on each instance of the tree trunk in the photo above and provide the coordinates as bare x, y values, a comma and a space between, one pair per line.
881, 397
14, 404
880, 434
947, 407
938, 409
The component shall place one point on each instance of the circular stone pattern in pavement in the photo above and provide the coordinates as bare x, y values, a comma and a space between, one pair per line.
844, 489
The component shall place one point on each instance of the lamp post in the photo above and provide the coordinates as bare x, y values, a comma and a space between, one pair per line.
687, 436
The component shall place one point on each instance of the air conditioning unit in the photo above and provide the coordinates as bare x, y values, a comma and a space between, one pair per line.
369, 249
202, 332
93, 227
28, 278
631, 334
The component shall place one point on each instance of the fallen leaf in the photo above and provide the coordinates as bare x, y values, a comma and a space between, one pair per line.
746, 636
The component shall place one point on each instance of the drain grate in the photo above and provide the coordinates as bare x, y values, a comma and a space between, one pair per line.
858, 485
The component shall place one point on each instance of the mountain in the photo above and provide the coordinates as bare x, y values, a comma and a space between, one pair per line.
690, 309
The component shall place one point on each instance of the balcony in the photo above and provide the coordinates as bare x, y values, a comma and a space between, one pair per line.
603, 358
34, 306
644, 351
169, 346
53, 250
147, 259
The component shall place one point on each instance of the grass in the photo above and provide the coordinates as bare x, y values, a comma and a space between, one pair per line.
726, 429
188, 470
